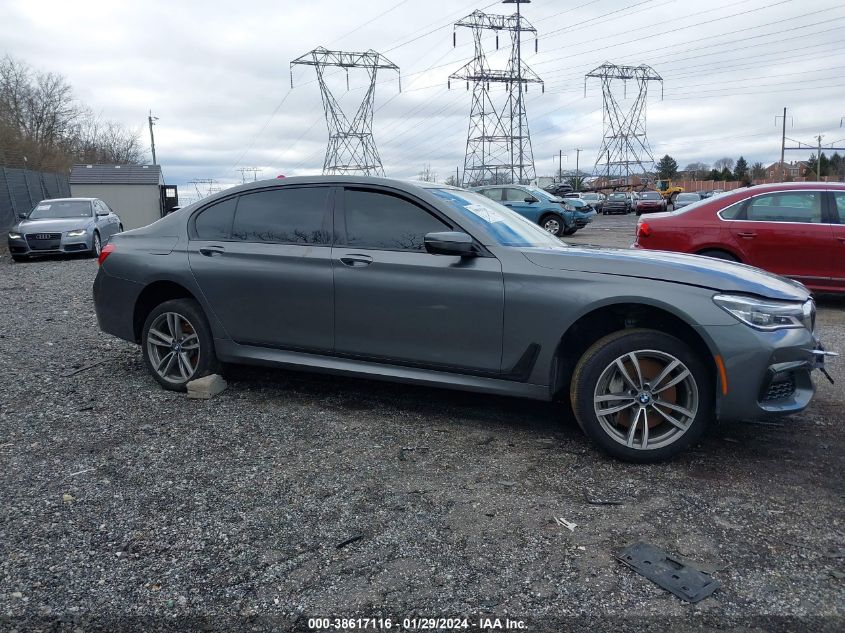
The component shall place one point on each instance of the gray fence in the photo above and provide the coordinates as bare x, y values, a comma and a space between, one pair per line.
21, 189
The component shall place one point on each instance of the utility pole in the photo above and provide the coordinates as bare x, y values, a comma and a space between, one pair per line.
577, 172
152, 118
782, 145
560, 156
819, 159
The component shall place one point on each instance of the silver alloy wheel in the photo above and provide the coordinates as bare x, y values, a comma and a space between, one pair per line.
552, 226
173, 347
97, 244
646, 399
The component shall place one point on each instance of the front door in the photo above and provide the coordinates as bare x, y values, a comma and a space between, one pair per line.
516, 199
263, 263
397, 303
785, 233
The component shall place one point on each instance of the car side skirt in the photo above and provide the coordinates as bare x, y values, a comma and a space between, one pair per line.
230, 352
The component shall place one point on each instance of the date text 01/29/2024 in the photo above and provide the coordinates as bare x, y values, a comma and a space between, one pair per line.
415, 624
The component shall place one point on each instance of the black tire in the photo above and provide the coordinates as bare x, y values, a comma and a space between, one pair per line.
570, 231
717, 254
553, 217
96, 245
604, 212
204, 363
694, 393
20, 258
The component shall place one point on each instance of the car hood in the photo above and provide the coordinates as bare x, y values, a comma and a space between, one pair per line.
51, 225
693, 270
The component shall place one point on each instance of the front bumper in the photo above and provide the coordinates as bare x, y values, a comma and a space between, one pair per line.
583, 219
49, 244
767, 373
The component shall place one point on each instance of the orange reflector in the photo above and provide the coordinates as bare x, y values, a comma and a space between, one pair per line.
723, 375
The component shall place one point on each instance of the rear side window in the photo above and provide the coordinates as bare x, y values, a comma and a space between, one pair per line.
287, 216
215, 222
382, 221
793, 206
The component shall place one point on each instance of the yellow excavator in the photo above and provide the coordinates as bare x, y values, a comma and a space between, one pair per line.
668, 190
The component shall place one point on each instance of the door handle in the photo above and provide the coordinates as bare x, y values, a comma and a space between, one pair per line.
356, 260
842, 239
747, 235
211, 251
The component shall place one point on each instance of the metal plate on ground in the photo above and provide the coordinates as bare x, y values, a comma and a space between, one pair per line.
681, 579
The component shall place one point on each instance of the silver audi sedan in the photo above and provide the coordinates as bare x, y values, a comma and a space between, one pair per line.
64, 225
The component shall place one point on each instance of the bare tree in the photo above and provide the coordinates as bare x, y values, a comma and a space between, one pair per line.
724, 163
758, 170
427, 175
697, 170
43, 127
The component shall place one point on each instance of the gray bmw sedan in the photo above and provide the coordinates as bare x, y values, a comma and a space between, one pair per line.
435, 285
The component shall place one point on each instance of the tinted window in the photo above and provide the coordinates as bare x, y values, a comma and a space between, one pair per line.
650, 195
382, 221
289, 216
793, 206
839, 196
215, 222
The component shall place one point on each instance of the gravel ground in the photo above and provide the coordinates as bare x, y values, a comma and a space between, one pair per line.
289, 496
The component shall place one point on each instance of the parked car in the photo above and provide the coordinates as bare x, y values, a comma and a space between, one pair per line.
559, 189
582, 213
685, 199
63, 225
618, 202
551, 212
792, 229
435, 285
650, 202
594, 200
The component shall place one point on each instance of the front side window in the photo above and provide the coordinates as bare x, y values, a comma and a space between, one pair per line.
792, 206
493, 194
290, 215
516, 195
383, 221
839, 196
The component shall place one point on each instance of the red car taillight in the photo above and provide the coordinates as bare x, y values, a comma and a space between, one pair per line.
108, 249
643, 229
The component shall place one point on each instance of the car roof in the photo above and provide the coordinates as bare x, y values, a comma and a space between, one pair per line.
68, 200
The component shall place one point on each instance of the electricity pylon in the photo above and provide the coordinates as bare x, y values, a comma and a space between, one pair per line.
625, 150
498, 146
351, 148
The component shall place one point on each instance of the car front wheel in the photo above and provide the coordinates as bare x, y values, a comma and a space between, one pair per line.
554, 224
177, 344
642, 395
96, 245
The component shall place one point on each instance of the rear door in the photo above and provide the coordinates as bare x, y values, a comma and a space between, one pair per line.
786, 233
397, 303
263, 263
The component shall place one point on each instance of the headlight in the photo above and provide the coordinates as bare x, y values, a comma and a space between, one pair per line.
568, 207
76, 233
767, 314
15, 236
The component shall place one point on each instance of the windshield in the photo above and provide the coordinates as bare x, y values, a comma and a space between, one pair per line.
590, 196
53, 209
688, 197
693, 205
618, 196
537, 193
507, 227
650, 195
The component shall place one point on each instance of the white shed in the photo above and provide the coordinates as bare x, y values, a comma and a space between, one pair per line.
134, 192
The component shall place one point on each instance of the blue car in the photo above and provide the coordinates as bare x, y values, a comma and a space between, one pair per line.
556, 215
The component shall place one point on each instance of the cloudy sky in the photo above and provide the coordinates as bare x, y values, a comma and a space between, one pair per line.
217, 75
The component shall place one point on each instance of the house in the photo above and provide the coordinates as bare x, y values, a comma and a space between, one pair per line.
137, 193
792, 171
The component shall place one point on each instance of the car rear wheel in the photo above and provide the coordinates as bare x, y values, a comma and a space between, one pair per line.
554, 224
716, 254
177, 344
642, 395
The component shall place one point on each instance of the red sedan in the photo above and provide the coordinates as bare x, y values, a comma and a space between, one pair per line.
793, 229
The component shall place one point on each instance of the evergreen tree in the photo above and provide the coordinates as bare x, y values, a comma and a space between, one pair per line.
667, 167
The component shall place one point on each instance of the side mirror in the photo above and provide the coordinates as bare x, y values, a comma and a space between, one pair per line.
102, 215
531, 199
449, 243
22, 216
